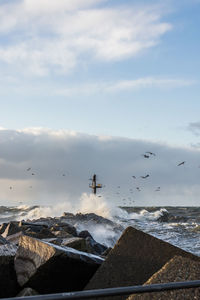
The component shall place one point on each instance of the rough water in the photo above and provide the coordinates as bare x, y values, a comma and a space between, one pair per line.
179, 226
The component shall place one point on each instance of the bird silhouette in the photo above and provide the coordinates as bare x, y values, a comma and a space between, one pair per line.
32, 174
182, 163
28, 169
134, 176
158, 189
151, 153
145, 176
137, 188
145, 156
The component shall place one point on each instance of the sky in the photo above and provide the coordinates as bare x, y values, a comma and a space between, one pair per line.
88, 86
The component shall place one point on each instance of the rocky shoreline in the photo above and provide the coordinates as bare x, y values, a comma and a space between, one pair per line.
50, 255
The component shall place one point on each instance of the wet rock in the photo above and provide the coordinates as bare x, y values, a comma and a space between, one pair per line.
49, 268
133, 260
84, 234
11, 228
3, 227
76, 243
14, 238
95, 248
42, 234
8, 279
27, 292
62, 234
177, 269
55, 240
164, 217
69, 228
3, 241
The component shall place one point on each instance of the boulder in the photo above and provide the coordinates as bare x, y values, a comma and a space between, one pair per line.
76, 243
177, 269
8, 279
3, 241
42, 234
27, 292
10, 229
3, 227
49, 268
133, 260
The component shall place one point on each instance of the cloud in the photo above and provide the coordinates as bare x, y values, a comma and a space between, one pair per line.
194, 127
63, 161
125, 85
59, 36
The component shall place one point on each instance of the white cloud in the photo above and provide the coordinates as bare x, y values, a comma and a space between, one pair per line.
50, 154
125, 85
56, 36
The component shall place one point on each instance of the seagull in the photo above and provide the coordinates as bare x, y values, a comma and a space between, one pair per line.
32, 174
133, 176
182, 163
151, 153
145, 156
145, 176
63, 175
158, 189
10, 187
28, 169
137, 188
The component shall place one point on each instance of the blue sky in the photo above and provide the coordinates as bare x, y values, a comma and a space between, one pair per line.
125, 69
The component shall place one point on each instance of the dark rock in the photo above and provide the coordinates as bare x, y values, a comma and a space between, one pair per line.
11, 228
42, 234
49, 268
55, 240
14, 238
133, 260
69, 228
8, 279
177, 269
62, 234
76, 243
164, 217
95, 248
84, 234
3, 227
106, 252
3, 241
27, 292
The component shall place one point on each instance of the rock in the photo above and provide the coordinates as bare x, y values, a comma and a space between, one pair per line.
94, 247
177, 269
3, 227
84, 234
69, 228
49, 268
8, 279
62, 234
133, 260
27, 292
55, 240
11, 228
14, 238
3, 241
76, 243
44, 233
68, 215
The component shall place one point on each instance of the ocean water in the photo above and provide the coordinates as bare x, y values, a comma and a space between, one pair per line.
179, 226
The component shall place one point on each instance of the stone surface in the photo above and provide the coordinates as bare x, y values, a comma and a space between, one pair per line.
177, 269
3, 241
11, 228
49, 268
8, 279
27, 292
133, 260
14, 238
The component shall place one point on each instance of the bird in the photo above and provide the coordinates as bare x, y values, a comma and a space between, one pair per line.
28, 169
137, 188
63, 175
182, 163
158, 189
134, 176
32, 174
10, 187
145, 176
145, 156
151, 153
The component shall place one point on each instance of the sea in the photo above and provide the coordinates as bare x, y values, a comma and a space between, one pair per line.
179, 226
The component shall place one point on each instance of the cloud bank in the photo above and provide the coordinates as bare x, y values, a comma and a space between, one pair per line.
62, 163
56, 37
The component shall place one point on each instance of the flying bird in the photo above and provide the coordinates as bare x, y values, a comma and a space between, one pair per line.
134, 176
145, 156
151, 153
158, 189
28, 169
145, 176
182, 163
137, 188
32, 174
